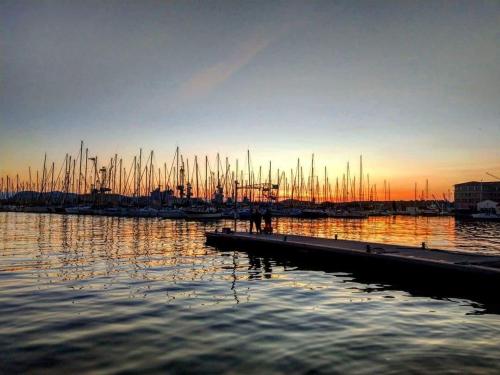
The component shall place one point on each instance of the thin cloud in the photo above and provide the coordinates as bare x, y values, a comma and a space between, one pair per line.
205, 81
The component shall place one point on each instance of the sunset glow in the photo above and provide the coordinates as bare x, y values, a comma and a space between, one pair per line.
289, 80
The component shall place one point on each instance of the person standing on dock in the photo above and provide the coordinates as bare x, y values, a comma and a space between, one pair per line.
258, 221
252, 220
267, 222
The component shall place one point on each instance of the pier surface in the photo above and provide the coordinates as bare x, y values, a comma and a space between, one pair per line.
426, 264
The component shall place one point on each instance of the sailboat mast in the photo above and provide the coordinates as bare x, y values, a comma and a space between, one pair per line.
196, 171
43, 173
260, 183
120, 178
249, 175
177, 167
85, 175
311, 197
325, 182
134, 177
218, 173
206, 178
348, 177
139, 173
73, 177
80, 168
427, 190
360, 178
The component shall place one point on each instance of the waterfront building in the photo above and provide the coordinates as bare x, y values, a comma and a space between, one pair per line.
469, 194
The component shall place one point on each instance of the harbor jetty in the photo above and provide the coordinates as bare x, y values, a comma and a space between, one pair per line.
431, 266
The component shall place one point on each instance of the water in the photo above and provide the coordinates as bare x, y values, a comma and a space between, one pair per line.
107, 295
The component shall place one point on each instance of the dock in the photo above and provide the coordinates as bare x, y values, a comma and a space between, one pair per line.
427, 266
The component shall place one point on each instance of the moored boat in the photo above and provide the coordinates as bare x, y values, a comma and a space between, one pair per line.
202, 213
142, 212
79, 210
312, 213
286, 212
171, 213
489, 216
343, 214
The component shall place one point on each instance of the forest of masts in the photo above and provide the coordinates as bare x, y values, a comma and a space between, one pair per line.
198, 178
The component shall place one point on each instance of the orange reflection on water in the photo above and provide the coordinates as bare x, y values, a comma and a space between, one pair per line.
81, 247
66, 247
435, 231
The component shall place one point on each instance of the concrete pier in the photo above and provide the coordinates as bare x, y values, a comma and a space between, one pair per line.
417, 263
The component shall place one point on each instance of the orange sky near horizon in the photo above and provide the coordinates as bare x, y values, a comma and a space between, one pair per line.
414, 87
400, 175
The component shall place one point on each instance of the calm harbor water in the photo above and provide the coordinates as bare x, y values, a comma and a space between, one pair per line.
107, 295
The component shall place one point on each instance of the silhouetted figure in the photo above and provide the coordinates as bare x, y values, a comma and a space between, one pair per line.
258, 221
252, 220
267, 222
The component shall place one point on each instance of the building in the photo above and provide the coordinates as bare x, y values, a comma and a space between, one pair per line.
469, 194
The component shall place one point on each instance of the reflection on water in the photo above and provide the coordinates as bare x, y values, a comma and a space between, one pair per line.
81, 293
437, 232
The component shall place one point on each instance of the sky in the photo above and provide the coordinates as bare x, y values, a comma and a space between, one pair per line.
412, 86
